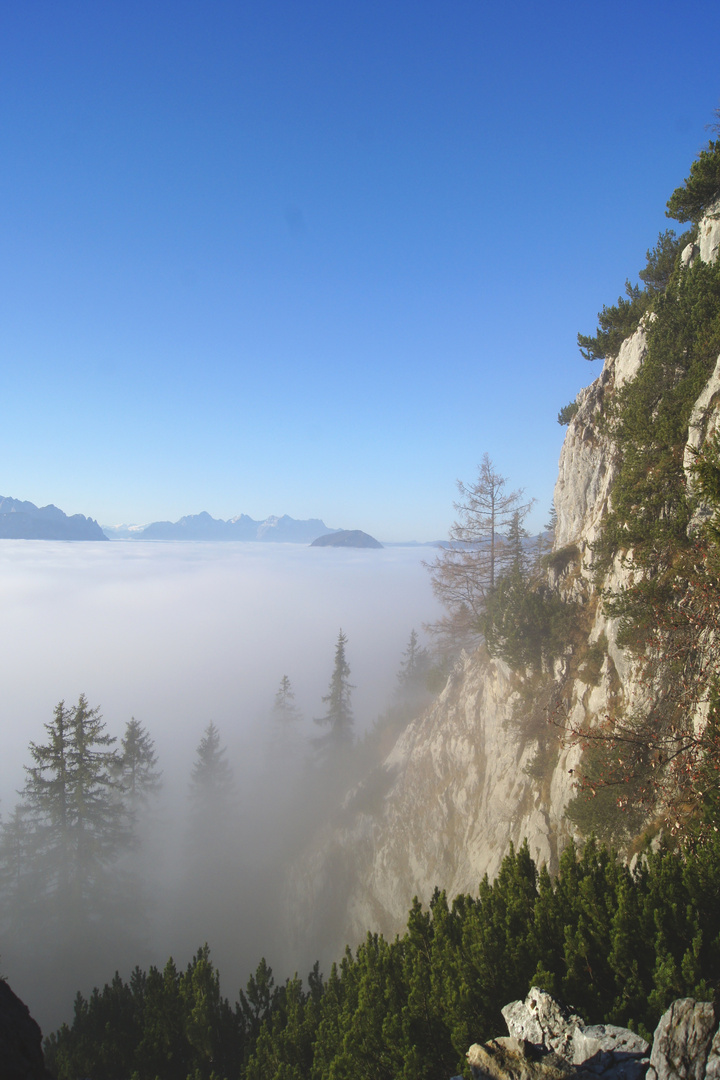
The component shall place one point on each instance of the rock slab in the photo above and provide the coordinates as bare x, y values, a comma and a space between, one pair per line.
548, 1040
684, 1047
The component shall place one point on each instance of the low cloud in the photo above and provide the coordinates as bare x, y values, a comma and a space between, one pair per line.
178, 635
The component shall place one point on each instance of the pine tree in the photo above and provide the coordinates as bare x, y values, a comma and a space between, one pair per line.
339, 717
516, 560
211, 782
79, 826
137, 772
546, 538
212, 798
284, 707
413, 671
18, 884
64, 893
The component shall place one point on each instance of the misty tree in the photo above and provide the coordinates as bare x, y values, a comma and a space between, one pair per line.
414, 667
76, 827
18, 886
285, 707
465, 572
338, 717
137, 773
212, 784
546, 539
517, 562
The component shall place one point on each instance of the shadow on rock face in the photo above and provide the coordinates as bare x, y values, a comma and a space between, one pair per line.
21, 1056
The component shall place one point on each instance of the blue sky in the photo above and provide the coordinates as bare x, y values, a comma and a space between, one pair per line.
317, 258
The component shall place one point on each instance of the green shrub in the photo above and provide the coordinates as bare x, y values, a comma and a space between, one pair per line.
619, 321
526, 623
615, 323
701, 187
567, 412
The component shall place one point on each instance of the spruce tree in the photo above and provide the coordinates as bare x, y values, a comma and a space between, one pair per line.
339, 717
285, 707
212, 787
79, 825
138, 776
413, 671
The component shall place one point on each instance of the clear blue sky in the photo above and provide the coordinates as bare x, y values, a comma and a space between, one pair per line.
316, 258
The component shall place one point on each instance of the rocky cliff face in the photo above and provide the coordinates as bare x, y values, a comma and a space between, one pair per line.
479, 769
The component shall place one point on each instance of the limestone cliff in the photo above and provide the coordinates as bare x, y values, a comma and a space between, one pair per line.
482, 768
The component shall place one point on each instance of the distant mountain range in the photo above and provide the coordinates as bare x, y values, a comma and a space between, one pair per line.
204, 527
26, 521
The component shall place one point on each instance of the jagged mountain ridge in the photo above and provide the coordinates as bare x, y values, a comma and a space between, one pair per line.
242, 527
478, 770
22, 520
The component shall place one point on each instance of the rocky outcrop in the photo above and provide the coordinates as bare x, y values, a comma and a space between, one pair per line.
21, 1056
548, 1041
551, 1028
685, 1043
708, 238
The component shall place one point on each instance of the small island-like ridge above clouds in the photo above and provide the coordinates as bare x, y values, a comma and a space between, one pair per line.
347, 538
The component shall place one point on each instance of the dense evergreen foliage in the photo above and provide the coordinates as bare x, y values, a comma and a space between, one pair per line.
619, 944
701, 188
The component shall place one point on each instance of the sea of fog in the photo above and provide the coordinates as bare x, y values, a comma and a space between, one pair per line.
179, 634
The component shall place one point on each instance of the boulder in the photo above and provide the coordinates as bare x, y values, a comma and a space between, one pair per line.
548, 1041
553, 1027
603, 1048
683, 1045
21, 1056
712, 1069
543, 1021
517, 1059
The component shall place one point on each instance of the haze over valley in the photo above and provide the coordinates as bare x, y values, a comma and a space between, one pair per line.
178, 636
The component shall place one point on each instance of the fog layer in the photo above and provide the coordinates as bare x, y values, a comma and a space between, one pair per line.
179, 635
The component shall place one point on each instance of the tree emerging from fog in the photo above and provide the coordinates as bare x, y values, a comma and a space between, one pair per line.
137, 766
79, 826
339, 718
212, 784
285, 708
60, 850
414, 668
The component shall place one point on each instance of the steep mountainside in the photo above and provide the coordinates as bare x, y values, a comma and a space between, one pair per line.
483, 767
